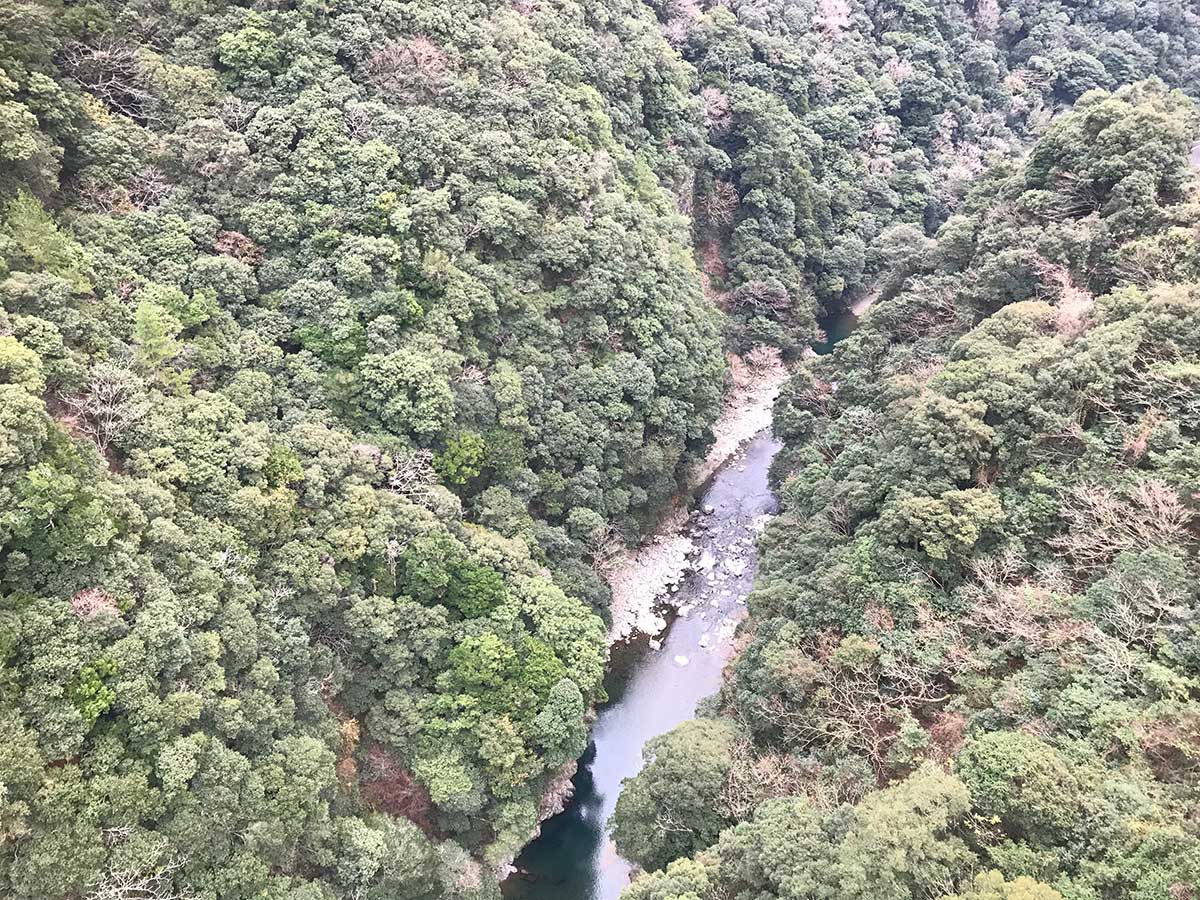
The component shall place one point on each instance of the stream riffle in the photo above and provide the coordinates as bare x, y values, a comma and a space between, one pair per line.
653, 690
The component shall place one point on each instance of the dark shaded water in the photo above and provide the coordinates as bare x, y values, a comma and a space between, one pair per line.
652, 691
835, 328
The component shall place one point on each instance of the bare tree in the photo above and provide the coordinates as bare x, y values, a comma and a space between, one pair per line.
831, 18
899, 70
987, 17
112, 72
762, 297
471, 374
1139, 262
1102, 524
762, 358
606, 546
718, 110
413, 478
1014, 610
107, 407
720, 202
130, 883
1073, 302
92, 602
681, 16
936, 316
408, 69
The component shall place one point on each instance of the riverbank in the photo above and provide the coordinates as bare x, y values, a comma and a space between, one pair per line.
655, 684
693, 576
645, 579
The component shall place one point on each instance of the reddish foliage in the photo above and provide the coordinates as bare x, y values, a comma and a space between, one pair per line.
832, 17
388, 787
718, 109
712, 263
880, 618
93, 601
1172, 745
240, 247
947, 733
406, 68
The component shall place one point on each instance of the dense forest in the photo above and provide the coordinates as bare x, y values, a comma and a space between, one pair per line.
342, 343
971, 664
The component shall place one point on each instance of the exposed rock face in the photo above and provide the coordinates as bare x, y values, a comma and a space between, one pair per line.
558, 794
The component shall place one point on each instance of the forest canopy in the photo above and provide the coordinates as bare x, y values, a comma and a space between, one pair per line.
969, 666
341, 344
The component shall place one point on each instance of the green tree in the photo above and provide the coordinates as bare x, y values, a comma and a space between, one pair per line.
673, 808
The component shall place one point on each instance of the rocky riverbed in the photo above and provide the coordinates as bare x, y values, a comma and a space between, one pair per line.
656, 681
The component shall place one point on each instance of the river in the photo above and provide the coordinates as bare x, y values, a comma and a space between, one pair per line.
653, 690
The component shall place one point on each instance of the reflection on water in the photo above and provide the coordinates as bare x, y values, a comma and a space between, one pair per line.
836, 326
651, 691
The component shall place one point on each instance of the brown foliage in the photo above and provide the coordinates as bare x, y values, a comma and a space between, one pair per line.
1137, 442
718, 110
240, 247
712, 260
720, 203
1072, 302
1172, 745
947, 735
389, 788
681, 16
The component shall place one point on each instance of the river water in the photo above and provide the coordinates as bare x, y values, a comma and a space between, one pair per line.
652, 691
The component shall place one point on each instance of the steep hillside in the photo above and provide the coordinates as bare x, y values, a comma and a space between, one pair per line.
341, 343
336, 341
972, 646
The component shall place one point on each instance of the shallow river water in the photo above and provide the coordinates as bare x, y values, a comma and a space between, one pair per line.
652, 691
